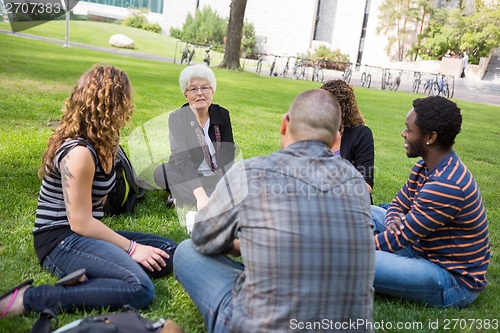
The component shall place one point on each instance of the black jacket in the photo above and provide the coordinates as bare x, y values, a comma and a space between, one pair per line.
186, 153
358, 148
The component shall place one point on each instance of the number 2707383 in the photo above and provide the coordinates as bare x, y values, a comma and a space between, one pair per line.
34, 8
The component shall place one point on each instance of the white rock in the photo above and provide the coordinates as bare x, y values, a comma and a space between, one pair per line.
120, 40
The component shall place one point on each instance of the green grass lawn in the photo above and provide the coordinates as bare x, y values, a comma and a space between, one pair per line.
98, 33
36, 77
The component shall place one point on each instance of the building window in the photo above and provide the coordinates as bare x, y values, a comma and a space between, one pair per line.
154, 6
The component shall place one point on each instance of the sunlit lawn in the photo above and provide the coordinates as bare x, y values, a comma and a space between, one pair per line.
36, 77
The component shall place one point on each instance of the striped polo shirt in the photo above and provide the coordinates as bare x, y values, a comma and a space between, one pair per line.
51, 222
446, 221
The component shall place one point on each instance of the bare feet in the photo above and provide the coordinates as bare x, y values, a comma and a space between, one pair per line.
79, 279
12, 304
171, 327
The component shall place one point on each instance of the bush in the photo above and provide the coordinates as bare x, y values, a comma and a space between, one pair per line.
323, 52
154, 27
137, 19
206, 27
329, 59
249, 42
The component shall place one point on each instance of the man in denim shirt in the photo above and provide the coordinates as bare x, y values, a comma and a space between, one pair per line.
300, 218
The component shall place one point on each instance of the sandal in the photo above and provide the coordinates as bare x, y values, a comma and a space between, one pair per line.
72, 278
170, 201
14, 291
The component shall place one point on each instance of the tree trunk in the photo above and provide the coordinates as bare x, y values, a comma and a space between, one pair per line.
234, 34
420, 33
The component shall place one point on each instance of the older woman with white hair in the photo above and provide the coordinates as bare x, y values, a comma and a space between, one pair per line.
201, 141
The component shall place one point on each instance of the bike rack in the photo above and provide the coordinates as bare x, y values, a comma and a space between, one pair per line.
199, 45
452, 90
340, 66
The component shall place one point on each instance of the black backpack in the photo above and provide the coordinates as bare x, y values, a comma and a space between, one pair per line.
127, 190
129, 321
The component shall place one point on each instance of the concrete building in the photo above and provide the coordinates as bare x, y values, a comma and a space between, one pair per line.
282, 27
120, 9
293, 27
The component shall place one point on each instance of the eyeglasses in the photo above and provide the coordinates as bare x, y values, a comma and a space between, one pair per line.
194, 90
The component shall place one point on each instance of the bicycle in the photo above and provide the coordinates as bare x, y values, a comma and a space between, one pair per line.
272, 67
428, 84
190, 56
258, 68
366, 77
416, 82
386, 78
317, 74
397, 81
299, 71
440, 86
185, 54
285, 70
389, 82
207, 56
346, 76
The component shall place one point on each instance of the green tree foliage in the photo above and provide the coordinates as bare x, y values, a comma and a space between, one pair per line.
402, 21
414, 28
450, 29
248, 42
443, 33
330, 59
137, 19
206, 27
3, 13
482, 32
323, 52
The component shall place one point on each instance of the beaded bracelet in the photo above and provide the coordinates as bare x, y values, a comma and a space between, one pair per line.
131, 250
130, 246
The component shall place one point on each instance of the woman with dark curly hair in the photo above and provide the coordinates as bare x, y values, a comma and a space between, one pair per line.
355, 142
78, 172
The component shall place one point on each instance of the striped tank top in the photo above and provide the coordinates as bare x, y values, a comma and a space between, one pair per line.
51, 222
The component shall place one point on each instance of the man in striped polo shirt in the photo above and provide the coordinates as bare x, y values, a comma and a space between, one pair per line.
433, 245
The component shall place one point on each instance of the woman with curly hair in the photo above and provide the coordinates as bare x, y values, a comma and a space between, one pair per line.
69, 236
355, 141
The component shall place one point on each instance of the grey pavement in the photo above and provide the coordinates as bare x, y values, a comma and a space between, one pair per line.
486, 92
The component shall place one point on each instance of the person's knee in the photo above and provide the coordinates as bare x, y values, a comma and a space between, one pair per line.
144, 295
183, 252
183, 249
378, 218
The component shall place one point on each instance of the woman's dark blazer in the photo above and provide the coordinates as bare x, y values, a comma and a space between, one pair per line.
186, 152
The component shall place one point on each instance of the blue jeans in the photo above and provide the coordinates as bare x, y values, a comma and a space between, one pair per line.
209, 280
114, 278
407, 275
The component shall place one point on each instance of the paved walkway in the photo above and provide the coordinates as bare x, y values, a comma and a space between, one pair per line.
487, 92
